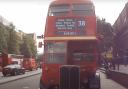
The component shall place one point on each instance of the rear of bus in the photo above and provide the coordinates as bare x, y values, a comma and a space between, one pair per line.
69, 22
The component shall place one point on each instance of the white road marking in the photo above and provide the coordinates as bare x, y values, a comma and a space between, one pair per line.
25, 87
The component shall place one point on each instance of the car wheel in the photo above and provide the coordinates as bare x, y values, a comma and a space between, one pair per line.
4, 74
23, 71
31, 69
14, 72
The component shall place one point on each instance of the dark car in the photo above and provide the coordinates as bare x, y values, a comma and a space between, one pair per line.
13, 69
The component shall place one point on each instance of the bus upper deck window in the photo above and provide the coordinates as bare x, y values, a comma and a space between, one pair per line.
83, 9
59, 10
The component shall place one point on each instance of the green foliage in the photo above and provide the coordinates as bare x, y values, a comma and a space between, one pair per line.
3, 39
28, 48
32, 47
8, 39
25, 49
105, 32
39, 57
13, 41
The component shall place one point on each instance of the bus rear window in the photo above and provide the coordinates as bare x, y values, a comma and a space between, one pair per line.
55, 58
55, 52
59, 10
84, 57
83, 9
55, 47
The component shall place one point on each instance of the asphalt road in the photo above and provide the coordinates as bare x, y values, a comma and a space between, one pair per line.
25, 83
33, 83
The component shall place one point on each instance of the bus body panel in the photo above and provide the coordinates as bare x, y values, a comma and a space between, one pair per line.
50, 71
50, 74
70, 39
90, 29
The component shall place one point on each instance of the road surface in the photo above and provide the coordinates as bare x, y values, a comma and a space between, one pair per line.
25, 83
33, 83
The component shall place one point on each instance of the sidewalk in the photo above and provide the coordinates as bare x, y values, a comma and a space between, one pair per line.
120, 76
122, 69
13, 78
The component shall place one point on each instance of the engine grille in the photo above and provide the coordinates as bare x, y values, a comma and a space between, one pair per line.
69, 77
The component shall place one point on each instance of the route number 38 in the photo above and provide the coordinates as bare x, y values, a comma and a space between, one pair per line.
81, 23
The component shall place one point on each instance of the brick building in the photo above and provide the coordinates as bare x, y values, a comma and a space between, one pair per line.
120, 46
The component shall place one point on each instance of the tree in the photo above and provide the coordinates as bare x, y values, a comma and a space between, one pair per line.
13, 40
32, 46
39, 58
25, 48
3, 41
28, 48
11, 43
105, 33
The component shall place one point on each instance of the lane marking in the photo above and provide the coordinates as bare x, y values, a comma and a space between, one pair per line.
25, 87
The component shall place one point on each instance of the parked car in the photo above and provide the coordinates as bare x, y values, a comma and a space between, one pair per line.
13, 69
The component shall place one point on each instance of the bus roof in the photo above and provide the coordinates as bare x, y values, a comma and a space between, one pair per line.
70, 2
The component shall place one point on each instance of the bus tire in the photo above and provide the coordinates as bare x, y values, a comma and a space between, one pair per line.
94, 82
42, 85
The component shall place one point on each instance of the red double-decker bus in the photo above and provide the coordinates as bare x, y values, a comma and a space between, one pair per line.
70, 46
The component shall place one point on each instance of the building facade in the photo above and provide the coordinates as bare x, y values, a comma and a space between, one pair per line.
120, 46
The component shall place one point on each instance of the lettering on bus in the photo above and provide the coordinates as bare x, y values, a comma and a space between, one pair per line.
70, 24
70, 33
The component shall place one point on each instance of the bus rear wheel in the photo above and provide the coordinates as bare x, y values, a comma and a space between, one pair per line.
94, 82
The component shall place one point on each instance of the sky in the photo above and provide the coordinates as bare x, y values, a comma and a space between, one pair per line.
30, 15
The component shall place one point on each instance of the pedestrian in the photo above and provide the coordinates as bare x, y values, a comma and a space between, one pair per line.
113, 63
118, 63
125, 61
